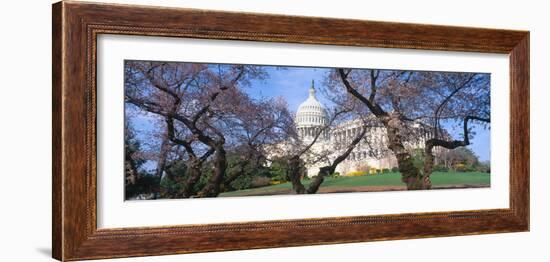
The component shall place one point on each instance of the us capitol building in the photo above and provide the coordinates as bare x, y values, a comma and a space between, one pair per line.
370, 153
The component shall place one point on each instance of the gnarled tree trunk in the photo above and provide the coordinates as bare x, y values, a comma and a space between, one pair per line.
328, 170
164, 148
293, 174
212, 188
193, 175
410, 174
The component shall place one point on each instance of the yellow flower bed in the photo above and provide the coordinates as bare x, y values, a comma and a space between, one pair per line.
356, 173
370, 172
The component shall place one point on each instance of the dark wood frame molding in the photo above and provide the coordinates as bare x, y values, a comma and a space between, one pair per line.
76, 26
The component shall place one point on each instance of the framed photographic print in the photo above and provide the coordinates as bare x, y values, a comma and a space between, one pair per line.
182, 130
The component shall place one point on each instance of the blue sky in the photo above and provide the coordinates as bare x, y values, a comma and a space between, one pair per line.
292, 83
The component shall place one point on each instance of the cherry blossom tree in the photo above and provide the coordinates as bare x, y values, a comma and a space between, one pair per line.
206, 113
410, 104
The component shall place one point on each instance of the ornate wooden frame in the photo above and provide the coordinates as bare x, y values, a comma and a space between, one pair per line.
75, 29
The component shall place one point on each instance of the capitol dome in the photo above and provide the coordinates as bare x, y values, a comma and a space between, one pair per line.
310, 116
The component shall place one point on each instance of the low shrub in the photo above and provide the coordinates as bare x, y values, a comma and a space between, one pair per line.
242, 182
276, 182
440, 168
374, 171
260, 181
460, 168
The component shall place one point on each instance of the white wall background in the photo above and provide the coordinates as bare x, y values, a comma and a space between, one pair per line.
25, 136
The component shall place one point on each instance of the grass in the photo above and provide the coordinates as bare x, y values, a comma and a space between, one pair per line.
390, 180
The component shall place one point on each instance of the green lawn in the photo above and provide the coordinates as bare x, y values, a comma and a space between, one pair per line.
390, 180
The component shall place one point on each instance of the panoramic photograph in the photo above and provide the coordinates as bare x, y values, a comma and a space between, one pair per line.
196, 130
